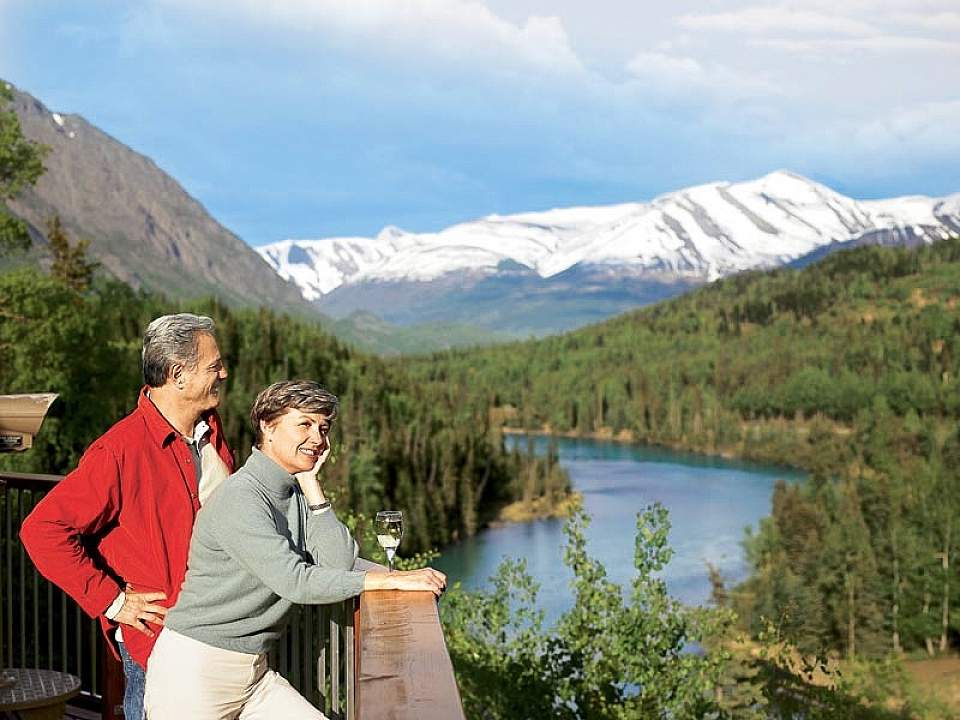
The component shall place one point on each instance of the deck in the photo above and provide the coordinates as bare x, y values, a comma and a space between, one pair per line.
382, 655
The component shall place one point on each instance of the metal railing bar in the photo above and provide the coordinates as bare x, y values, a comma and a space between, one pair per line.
79, 639
36, 619
335, 664
50, 624
93, 637
295, 647
8, 556
308, 679
63, 632
349, 664
322, 661
22, 614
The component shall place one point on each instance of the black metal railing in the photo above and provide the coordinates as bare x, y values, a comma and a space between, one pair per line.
41, 627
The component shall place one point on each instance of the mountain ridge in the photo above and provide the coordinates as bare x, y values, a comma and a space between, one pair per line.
681, 238
144, 227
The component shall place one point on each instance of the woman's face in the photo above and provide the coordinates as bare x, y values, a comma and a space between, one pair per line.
296, 439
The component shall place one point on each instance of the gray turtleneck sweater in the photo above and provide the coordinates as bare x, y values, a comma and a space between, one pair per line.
255, 551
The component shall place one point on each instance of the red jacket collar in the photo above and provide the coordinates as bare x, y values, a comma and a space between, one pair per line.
162, 432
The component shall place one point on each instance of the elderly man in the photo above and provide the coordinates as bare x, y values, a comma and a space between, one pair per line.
115, 532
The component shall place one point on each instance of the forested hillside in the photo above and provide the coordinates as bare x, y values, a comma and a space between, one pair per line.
76, 332
847, 368
427, 451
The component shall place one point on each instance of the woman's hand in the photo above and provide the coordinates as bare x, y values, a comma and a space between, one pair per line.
427, 579
310, 484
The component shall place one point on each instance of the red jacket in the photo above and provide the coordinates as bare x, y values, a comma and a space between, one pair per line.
125, 515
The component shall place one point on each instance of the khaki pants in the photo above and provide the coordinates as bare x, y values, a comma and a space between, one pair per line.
190, 679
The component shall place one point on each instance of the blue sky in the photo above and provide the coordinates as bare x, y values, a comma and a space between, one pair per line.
312, 118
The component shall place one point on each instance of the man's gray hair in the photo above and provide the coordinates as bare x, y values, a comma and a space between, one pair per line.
275, 400
172, 340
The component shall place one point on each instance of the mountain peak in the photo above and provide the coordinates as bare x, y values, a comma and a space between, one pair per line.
691, 235
390, 232
785, 174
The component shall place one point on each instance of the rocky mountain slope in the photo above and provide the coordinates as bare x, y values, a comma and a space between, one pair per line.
144, 227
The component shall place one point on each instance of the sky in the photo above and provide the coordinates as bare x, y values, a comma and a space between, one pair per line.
317, 118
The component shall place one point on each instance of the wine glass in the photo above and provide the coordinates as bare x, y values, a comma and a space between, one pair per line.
389, 526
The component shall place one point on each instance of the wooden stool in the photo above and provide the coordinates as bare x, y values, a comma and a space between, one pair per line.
36, 694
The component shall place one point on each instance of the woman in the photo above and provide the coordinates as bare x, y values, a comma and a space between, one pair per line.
265, 540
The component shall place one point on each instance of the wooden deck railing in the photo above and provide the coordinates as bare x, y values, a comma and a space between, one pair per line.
405, 669
392, 642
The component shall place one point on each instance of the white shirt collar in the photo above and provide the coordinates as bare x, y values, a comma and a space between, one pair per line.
199, 430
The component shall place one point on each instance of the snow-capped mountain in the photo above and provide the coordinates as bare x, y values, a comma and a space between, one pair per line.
685, 237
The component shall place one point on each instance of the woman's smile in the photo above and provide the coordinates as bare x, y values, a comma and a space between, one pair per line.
297, 439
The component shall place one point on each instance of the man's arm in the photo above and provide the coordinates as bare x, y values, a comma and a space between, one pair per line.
84, 502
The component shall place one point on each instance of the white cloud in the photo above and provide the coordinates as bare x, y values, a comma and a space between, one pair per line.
685, 77
477, 98
451, 30
885, 43
763, 20
935, 21
930, 128
876, 44
669, 68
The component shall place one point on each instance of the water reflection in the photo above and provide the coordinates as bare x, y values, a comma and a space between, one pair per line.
711, 501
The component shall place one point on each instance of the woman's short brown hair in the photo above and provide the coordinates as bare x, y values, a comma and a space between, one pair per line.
275, 400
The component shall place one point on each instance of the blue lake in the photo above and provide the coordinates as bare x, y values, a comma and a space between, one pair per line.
711, 501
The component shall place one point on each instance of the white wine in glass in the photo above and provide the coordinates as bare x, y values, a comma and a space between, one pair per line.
389, 526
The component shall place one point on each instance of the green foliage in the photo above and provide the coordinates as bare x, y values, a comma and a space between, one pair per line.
371, 334
717, 369
847, 368
56, 339
70, 264
21, 163
424, 451
637, 654
607, 657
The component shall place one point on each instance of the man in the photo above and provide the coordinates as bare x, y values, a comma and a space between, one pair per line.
115, 532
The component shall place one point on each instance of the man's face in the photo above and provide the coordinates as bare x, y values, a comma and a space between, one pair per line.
200, 386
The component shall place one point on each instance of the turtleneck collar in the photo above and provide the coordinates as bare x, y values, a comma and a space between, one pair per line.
273, 477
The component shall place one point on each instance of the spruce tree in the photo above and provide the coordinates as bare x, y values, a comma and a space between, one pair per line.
21, 164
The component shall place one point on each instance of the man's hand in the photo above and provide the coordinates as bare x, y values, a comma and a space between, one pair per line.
140, 608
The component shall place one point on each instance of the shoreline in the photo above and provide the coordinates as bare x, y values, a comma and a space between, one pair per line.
626, 437
540, 508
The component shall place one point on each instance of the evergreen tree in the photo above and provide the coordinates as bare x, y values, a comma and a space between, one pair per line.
21, 164
70, 264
